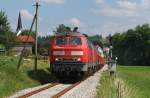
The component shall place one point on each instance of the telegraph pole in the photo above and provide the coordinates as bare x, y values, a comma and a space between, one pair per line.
36, 38
35, 20
110, 43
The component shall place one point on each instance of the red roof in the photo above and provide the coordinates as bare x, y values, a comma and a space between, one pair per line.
25, 38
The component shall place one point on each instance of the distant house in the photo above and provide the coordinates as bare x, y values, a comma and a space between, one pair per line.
23, 41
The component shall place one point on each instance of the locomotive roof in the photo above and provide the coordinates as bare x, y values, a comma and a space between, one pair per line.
70, 34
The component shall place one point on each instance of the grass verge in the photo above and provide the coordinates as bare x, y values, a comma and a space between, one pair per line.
12, 80
137, 78
106, 87
131, 82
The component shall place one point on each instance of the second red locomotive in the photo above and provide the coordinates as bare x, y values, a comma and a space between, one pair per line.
73, 53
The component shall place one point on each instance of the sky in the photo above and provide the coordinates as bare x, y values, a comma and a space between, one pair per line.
91, 16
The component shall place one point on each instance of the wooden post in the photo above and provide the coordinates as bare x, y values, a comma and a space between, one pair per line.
36, 38
36, 30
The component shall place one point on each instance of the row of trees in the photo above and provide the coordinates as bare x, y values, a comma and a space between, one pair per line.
133, 46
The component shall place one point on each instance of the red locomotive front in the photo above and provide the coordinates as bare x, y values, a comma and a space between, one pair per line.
68, 53
72, 53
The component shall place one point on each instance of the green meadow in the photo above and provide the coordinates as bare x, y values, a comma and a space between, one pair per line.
137, 78
134, 81
12, 80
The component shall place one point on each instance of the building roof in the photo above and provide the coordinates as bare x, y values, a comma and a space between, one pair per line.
25, 38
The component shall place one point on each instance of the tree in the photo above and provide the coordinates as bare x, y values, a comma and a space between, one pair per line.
4, 24
6, 36
133, 46
4, 27
44, 44
97, 40
144, 43
118, 46
62, 29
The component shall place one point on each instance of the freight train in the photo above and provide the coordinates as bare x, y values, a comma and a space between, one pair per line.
73, 54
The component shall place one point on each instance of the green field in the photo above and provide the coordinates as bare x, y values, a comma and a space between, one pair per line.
138, 78
135, 83
12, 80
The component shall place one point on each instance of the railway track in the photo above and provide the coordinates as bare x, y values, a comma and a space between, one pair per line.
54, 90
63, 88
37, 91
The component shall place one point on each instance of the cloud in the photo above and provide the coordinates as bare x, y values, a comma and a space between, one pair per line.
104, 29
124, 8
111, 28
99, 1
128, 5
107, 28
145, 4
115, 12
75, 22
26, 14
52, 1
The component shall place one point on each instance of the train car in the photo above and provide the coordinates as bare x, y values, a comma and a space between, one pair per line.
72, 53
101, 58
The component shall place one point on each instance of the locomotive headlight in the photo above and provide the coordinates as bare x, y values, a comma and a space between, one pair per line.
56, 59
78, 59
58, 52
76, 52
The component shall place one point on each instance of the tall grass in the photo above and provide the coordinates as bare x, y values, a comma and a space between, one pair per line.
12, 80
114, 87
123, 90
106, 87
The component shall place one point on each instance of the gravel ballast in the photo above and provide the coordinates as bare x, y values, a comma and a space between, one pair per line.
87, 89
50, 92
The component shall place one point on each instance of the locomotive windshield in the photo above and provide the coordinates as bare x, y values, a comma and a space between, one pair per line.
61, 41
73, 40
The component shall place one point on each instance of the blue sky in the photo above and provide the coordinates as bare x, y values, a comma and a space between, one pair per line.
91, 16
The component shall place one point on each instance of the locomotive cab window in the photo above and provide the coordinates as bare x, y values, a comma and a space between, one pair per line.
61, 41
75, 41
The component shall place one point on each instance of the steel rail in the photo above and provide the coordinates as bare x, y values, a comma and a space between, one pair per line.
65, 90
37, 91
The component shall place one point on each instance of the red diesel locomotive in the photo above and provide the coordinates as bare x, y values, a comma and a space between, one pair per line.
72, 53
